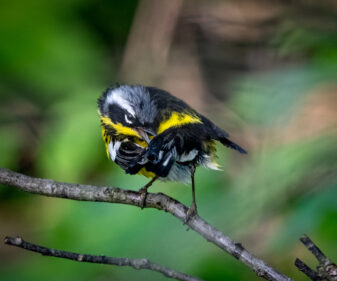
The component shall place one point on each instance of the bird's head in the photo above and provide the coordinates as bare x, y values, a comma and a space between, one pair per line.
129, 110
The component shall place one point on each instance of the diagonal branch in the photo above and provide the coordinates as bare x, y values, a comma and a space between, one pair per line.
153, 200
135, 263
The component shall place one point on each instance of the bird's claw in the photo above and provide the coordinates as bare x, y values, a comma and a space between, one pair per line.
191, 212
143, 194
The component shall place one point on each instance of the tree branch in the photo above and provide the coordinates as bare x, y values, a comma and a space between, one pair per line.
326, 269
135, 263
153, 200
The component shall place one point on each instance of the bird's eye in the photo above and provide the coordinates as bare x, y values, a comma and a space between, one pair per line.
128, 118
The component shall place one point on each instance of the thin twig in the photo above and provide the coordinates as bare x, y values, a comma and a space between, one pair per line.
153, 200
312, 274
326, 269
135, 263
307, 242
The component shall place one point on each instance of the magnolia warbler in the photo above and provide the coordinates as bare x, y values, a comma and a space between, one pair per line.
148, 131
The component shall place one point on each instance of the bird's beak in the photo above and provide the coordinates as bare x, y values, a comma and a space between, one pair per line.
144, 134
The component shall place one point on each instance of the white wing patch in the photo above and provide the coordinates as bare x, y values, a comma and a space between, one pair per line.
113, 148
167, 160
116, 96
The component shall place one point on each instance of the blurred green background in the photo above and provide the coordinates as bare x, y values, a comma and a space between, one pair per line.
266, 71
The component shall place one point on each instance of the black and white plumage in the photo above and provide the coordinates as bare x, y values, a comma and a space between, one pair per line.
148, 131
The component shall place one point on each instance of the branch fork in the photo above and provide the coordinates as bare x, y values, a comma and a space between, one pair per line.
326, 269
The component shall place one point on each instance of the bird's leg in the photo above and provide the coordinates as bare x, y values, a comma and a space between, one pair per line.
143, 192
192, 210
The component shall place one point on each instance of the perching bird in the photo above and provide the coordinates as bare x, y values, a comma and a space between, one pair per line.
150, 132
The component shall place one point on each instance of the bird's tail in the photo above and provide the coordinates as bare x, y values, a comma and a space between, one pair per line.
228, 143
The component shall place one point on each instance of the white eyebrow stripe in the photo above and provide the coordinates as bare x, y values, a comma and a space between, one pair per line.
115, 97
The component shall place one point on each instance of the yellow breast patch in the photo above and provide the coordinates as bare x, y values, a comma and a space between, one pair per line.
107, 140
119, 128
178, 119
146, 173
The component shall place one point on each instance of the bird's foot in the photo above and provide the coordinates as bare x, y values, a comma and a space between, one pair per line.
191, 212
143, 194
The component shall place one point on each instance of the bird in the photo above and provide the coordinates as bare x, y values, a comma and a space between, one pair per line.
148, 131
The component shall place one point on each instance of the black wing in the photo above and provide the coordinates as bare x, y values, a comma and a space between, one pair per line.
173, 145
167, 102
170, 146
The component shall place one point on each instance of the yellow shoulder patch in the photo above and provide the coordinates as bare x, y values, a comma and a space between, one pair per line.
178, 119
